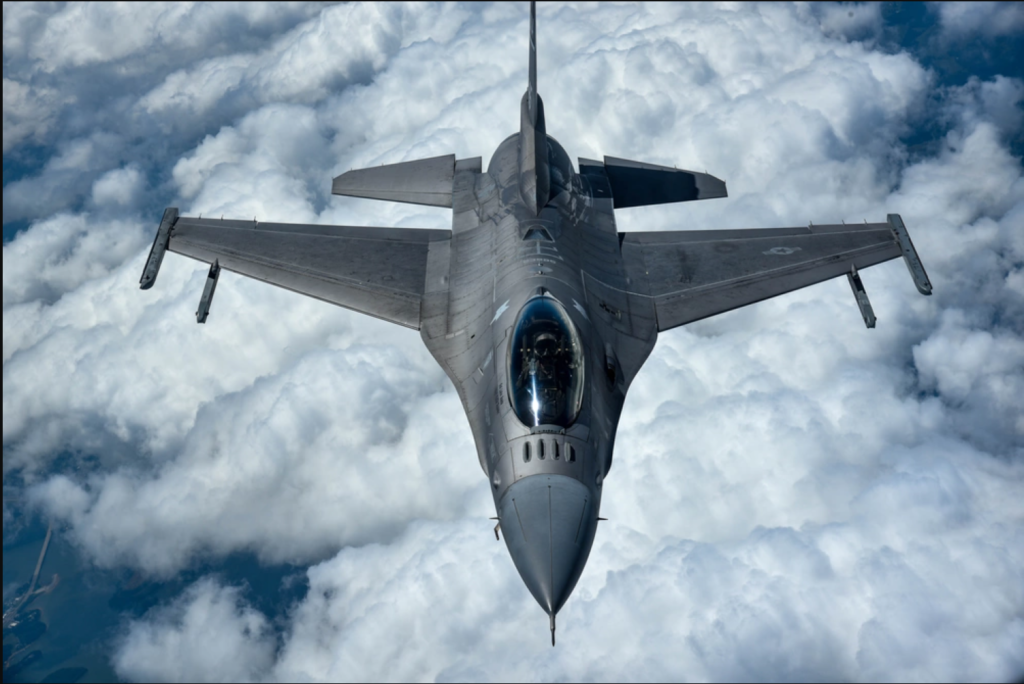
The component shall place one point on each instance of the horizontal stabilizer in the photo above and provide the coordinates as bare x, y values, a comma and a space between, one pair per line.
424, 181
636, 184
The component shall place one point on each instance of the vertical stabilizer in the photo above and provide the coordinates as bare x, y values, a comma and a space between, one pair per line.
531, 91
534, 176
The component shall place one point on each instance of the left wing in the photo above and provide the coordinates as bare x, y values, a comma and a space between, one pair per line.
696, 274
377, 271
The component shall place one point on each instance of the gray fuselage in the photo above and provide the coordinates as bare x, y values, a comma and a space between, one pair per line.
546, 478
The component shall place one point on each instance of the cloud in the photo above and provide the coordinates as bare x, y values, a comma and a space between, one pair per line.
793, 496
208, 634
81, 69
66, 178
63, 252
997, 102
78, 34
260, 470
826, 601
849, 20
960, 20
28, 112
119, 186
291, 69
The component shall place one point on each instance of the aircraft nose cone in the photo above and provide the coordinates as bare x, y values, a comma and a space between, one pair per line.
548, 523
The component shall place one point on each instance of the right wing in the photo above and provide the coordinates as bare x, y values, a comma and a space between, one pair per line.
376, 271
695, 274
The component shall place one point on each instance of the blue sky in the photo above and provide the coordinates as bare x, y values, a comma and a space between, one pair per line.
291, 491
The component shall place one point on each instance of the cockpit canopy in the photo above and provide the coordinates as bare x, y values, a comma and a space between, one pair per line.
545, 365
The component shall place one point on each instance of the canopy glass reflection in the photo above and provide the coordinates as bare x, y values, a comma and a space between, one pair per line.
545, 365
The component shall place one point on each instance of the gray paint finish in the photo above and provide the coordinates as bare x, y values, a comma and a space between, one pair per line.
211, 286
531, 227
424, 181
696, 274
378, 271
635, 184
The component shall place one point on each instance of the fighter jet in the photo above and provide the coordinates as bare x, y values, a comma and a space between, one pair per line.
537, 308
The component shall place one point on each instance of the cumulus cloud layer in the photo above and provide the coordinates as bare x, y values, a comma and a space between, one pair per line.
966, 19
793, 497
208, 634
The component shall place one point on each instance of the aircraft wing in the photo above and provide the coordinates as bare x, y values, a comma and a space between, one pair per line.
377, 271
696, 274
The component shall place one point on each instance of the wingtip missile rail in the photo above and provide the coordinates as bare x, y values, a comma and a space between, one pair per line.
913, 262
159, 248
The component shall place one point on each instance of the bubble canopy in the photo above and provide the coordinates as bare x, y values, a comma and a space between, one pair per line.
545, 365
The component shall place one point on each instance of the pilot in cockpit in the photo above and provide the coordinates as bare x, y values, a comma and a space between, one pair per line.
545, 368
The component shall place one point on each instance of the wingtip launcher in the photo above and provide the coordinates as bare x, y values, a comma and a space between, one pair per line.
902, 239
159, 248
913, 262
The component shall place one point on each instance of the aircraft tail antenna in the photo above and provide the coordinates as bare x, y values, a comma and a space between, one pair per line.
532, 88
534, 174
552, 628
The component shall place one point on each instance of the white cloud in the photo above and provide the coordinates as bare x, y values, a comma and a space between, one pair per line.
28, 112
851, 20
793, 496
62, 253
66, 176
262, 469
120, 186
207, 635
293, 68
955, 362
826, 601
997, 102
970, 19
79, 34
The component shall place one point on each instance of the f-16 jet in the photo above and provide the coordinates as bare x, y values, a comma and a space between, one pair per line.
537, 308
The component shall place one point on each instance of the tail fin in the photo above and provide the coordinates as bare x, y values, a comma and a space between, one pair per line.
534, 175
531, 90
